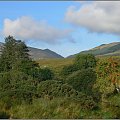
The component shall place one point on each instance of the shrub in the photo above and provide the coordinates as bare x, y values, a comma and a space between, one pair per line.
55, 89
68, 69
82, 80
45, 74
16, 86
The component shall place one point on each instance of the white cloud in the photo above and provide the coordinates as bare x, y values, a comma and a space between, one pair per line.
97, 16
26, 28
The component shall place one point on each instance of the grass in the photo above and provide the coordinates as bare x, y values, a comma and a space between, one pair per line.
44, 109
55, 64
57, 108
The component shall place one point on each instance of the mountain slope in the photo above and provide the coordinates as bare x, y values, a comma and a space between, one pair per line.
41, 54
37, 54
111, 49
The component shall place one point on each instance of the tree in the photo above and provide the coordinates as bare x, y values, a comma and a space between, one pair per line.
41, 74
7, 58
15, 56
16, 79
84, 61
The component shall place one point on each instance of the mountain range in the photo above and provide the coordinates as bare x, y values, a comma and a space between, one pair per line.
111, 49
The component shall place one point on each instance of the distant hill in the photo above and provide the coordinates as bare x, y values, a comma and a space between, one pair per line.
37, 54
111, 49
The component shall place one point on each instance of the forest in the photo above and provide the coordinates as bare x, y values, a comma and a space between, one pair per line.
84, 87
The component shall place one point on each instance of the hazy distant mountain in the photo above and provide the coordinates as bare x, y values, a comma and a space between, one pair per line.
37, 54
111, 49
41, 54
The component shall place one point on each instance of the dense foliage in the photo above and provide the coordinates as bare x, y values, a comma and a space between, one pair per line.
82, 80
83, 61
19, 75
55, 89
85, 88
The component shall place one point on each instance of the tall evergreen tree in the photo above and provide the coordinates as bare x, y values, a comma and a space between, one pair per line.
8, 53
15, 56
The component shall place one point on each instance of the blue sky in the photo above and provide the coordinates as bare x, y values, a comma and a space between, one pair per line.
67, 27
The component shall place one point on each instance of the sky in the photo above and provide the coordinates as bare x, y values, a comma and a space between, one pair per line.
65, 27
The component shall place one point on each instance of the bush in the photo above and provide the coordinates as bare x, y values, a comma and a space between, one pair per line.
46, 74
55, 89
16, 86
114, 106
82, 80
68, 69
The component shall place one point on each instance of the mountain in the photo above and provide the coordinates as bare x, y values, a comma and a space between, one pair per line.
111, 49
37, 54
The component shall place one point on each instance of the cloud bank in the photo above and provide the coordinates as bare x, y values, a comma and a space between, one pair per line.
98, 16
26, 28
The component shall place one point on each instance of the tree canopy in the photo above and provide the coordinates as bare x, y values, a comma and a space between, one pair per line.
84, 61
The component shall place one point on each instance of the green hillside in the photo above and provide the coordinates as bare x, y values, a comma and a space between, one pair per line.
55, 64
111, 49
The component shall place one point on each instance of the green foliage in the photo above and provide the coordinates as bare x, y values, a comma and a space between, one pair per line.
68, 70
45, 74
84, 61
15, 57
27, 66
16, 86
82, 80
41, 74
13, 53
114, 105
86, 101
67, 89
55, 89
111, 109
18, 73
108, 74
